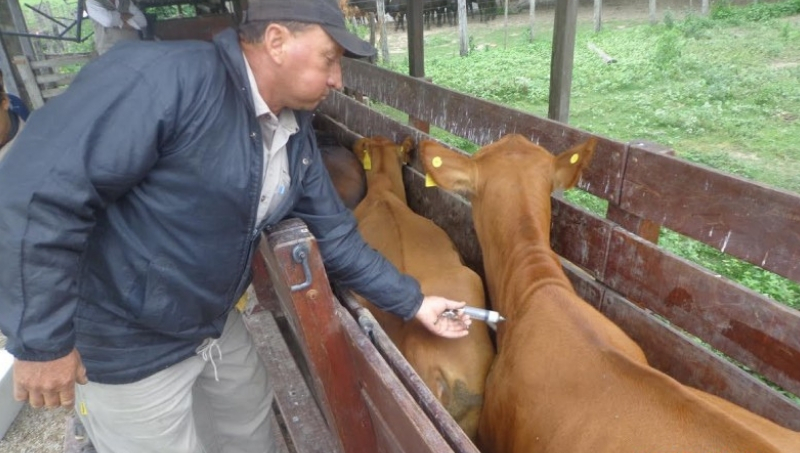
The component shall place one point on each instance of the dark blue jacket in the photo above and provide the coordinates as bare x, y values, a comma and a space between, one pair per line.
127, 211
18, 106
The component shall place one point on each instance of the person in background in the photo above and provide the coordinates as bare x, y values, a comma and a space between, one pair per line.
115, 20
10, 122
127, 231
17, 105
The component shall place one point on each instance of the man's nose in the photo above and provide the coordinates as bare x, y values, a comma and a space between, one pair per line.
335, 78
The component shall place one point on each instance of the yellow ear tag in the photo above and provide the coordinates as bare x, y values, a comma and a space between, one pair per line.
82, 408
574, 159
429, 182
436, 162
367, 161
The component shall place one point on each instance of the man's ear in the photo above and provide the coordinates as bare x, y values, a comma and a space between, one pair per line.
5, 102
276, 36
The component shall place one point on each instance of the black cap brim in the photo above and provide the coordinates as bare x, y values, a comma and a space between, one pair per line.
354, 46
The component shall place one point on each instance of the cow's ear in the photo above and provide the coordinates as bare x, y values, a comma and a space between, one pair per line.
362, 151
404, 149
449, 169
570, 164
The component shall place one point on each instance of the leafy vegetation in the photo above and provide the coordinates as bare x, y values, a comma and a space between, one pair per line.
722, 90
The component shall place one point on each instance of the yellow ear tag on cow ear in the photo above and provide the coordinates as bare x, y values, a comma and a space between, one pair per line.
429, 182
575, 158
436, 162
367, 160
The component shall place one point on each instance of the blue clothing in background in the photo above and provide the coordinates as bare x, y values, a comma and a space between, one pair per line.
18, 106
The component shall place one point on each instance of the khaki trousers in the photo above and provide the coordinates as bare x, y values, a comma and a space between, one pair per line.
218, 401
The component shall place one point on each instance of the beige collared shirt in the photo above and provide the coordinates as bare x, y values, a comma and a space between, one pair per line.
276, 131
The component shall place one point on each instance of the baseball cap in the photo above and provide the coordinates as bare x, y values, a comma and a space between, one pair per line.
326, 13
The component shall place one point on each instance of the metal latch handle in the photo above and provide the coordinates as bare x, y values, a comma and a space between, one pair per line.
300, 256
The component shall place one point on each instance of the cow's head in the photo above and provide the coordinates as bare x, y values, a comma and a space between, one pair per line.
504, 160
383, 161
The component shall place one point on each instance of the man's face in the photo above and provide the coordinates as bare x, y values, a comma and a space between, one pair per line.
311, 68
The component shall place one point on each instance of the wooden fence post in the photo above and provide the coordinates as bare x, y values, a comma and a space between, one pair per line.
29, 80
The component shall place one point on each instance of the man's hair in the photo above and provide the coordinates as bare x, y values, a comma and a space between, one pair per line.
253, 32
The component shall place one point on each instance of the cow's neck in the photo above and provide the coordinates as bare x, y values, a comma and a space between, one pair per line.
516, 249
387, 174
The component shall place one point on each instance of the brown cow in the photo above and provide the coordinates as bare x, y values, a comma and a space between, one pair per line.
344, 168
566, 379
454, 370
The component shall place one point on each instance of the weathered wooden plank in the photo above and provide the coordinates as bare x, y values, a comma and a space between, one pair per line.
262, 285
750, 328
676, 354
302, 418
311, 314
742, 218
399, 422
363, 120
579, 236
58, 79
479, 121
199, 27
53, 92
29, 80
436, 413
61, 61
682, 357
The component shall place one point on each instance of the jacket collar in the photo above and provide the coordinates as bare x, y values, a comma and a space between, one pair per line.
227, 44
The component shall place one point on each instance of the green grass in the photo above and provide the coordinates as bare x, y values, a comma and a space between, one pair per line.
722, 91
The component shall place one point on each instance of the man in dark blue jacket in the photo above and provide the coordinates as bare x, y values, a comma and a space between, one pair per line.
131, 206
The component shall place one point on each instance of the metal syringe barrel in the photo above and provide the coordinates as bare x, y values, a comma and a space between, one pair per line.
483, 315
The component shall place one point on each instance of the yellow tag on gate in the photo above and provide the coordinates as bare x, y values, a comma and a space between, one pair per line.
429, 182
82, 408
367, 161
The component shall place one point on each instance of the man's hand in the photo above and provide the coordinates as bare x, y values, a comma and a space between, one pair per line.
431, 315
50, 384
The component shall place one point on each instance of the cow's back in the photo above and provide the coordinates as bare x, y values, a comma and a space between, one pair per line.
454, 369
